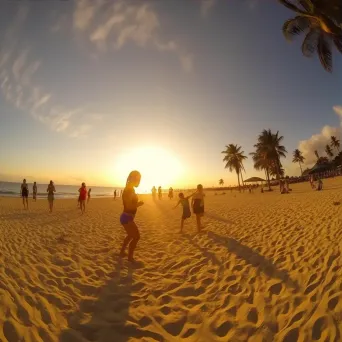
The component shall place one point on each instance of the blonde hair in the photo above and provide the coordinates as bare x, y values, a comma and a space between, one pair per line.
133, 175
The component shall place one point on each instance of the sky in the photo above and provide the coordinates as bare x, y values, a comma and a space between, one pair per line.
92, 89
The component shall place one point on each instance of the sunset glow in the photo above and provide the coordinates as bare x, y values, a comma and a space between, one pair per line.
158, 167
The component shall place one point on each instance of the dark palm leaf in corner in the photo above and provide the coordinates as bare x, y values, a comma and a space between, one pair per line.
321, 31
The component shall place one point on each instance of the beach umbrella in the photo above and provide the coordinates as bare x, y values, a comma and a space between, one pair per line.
254, 180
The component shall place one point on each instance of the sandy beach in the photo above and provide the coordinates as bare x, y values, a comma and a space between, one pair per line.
267, 267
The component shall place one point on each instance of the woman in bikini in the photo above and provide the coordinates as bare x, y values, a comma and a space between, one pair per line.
131, 205
198, 205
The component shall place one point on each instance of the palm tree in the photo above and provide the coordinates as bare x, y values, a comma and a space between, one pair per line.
335, 143
322, 160
321, 32
261, 163
269, 146
298, 158
329, 151
316, 154
234, 158
221, 181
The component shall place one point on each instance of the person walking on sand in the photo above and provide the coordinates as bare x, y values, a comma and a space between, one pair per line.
34, 191
154, 192
51, 195
24, 191
170, 193
197, 204
160, 195
184, 201
312, 181
83, 196
114, 194
89, 191
130, 206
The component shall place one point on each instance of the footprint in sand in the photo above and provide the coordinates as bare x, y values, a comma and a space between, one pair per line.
318, 328
275, 289
292, 336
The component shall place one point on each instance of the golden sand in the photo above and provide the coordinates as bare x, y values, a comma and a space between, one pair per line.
267, 267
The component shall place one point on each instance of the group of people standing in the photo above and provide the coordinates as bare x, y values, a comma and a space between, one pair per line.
160, 193
24, 191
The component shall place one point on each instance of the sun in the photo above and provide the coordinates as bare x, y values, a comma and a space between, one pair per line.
157, 166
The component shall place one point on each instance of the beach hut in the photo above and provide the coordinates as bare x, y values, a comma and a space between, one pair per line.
254, 180
318, 168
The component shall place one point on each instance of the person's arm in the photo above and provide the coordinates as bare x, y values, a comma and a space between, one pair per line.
176, 205
54, 189
188, 197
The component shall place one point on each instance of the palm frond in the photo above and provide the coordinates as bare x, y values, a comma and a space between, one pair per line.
338, 43
309, 46
307, 5
295, 26
292, 6
324, 52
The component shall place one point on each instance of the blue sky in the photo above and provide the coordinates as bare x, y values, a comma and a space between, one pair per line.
86, 83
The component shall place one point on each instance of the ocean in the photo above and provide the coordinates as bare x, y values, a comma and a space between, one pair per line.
9, 189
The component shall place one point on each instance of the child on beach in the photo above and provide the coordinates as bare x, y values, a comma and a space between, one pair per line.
184, 201
197, 204
89, 195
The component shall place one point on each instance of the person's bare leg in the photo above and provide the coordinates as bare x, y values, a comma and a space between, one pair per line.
134, 241
198, 221
26, 203
126, 241
182, 225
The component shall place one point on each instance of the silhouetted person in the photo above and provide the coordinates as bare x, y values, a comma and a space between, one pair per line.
51, 196
34, 191
131, 205
24, 193
170, 193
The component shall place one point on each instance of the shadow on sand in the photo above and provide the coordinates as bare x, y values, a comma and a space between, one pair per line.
210, 256
218, 218
106, 319
254, 259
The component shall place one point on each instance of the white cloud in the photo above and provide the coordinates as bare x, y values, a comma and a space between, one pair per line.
18, 69
84, 13
206, 6
317, 142
120, 23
